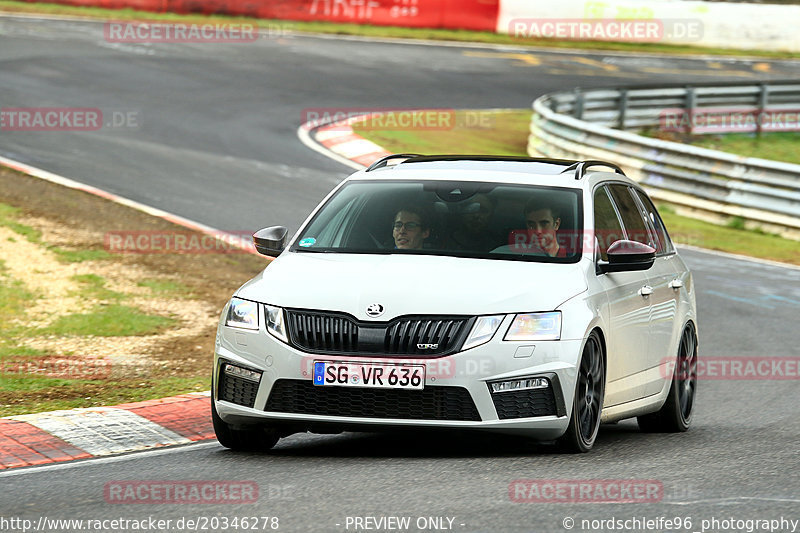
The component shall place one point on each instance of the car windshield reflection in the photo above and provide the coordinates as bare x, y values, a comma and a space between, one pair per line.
459, 219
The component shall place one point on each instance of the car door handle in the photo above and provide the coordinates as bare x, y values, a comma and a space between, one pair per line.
675, 284
647, 290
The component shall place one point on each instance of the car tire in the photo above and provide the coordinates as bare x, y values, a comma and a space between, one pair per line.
590, 386
676, 413
253, 439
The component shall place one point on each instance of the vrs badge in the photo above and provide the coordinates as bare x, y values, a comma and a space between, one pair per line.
374, 310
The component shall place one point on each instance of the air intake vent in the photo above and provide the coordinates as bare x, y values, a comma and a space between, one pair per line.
525, 403
430, 403
339, 333
235, 389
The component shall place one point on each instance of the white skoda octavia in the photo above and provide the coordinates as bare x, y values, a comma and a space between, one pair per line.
530, 296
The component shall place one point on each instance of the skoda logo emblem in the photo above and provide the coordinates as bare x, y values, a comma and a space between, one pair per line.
374, 310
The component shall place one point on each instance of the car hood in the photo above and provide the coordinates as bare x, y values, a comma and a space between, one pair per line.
413, 284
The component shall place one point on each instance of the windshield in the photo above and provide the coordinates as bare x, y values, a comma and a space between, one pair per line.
465, 219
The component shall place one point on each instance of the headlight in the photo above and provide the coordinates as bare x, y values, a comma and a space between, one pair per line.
242, 314
535, 327
483, 330
275, 324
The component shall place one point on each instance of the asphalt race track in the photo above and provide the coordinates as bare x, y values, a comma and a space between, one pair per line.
215, 141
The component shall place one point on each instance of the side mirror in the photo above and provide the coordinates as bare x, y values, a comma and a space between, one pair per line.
270, 241
625, 256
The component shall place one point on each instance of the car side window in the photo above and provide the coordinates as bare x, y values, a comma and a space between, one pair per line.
607, 227
664, 243
632, 219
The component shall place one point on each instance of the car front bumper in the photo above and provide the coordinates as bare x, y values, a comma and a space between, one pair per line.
471, 370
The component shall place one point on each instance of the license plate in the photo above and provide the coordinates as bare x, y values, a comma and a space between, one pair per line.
343, 374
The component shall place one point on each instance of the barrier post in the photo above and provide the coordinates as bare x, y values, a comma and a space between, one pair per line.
623, 108
577, 107
689, 103
763, 101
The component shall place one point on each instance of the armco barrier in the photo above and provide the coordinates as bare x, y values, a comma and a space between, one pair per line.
454, 14
704, 183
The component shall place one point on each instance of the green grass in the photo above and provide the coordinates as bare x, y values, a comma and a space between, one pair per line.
279, 27
467, 132
79, 256
511, 137
93, 287
731, 238
778, 146
25, 383
22, 394
14, 298
736, 223
25, 393
165, 287
12, 356
7, 219
109, 321
8, 216
13, 351
22, 391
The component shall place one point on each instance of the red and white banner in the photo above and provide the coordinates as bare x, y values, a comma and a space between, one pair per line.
453, 14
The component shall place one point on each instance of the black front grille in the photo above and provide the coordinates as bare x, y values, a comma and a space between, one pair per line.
403, 335
339, 333
322, 332
236, 390
524, 403
430, 403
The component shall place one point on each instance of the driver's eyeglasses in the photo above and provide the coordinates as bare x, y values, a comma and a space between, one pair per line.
542, 224
411, 226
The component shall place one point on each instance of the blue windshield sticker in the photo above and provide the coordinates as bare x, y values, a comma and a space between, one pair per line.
308, 241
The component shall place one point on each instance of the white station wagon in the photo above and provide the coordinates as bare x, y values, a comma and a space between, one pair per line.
516, 295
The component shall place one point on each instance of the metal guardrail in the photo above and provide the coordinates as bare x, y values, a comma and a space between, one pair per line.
704, 183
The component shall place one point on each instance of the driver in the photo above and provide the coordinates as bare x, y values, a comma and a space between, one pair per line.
543, 221
410, 228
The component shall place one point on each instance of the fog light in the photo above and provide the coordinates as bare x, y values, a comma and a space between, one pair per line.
520, 384
241, 372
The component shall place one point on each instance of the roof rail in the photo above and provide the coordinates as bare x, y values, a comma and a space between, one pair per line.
582, 166
418, 158
384, 161
519, 159
579, 167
